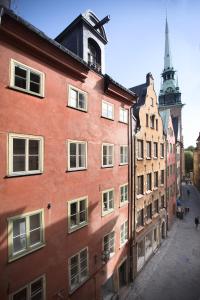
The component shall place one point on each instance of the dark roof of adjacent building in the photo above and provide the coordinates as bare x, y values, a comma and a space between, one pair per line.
165, 114
175, 126
140, 91
198, 139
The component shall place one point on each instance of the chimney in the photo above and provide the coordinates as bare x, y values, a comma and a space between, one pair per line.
5, 3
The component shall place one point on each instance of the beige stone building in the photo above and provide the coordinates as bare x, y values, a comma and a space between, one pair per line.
196, 164
150, 160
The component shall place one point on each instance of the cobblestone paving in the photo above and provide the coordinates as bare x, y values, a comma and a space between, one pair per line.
173, 273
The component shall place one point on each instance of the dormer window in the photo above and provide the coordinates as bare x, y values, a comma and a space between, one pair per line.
94, 55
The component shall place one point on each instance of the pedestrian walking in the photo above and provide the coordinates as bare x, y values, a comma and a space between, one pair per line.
196, 221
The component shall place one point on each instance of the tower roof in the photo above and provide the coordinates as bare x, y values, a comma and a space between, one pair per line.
167, 58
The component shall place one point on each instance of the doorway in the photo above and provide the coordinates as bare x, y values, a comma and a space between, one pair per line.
122, 274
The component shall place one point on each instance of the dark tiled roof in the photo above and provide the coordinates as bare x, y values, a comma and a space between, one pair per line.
140, 91
165, 114
175, 126
106, 76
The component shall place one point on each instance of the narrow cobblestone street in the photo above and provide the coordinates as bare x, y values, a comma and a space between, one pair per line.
173, 273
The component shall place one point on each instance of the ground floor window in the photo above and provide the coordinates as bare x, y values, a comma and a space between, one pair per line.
140, 254
148, 244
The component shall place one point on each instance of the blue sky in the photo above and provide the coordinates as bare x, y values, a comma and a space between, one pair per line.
136, 41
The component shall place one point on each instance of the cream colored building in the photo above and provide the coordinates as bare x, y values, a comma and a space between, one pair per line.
150, 201
196, 164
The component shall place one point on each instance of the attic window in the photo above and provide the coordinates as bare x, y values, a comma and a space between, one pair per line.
94, 55
152, 119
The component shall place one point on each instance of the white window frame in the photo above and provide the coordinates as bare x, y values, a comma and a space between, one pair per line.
109, 210
28, 288
108, 165
121, 189
12, 136
108, 104
110, 240
155, 146
76, 142
123, 156
79, 224
79, 270
147, 156
29, 248
140, 148
123, 115
123, 233
14, 63
79, 92
162, 150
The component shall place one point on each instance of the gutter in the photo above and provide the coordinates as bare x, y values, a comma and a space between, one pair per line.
1, 14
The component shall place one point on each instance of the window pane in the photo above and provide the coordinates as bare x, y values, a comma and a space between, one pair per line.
22, 295
35, 78
36, 290
33, 155
19, 235
18, 163
73, 98
82, 211
82, 101
33, 147
34, 87
72, 149
19, 146
18, 155
20, 77
104, 109
33, 163
73, 214
35, 229
105, 202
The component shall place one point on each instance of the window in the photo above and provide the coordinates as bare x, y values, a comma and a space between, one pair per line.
26, 233
149, 182
156, 206
78, 269
109, 243
152, 118
148, 149
124, 193
25, 154
140, 149
77, 99
77, 155
107, 110
155, 148
140, 218
151, 101
94, 55
26, 79
140, 187
107, 201
156, 124
124, 233
162, 176
77, 213
123, 155
107, 155
123, 115
155, 179
162, 154
149, 211
147, 120
32, 291
162, 201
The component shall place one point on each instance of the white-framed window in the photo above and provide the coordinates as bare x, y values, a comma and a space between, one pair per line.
155, 150
140, 149
123, 115
107, 201
107, 155
34, 290
148, 154
77, 213
77, 155
149, 186
77, 98
123, 193
140, 218
140, 185
155, 179
123, 155
78, 269
124, 233
25, 233
162, 150
109, 243
25, 153
107, 110
26, 79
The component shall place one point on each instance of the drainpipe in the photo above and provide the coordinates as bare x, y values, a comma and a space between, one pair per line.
1, 13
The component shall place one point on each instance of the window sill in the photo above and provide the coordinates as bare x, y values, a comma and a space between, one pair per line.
41, 96
148, 192
78, 286
123, 164
76, 108
107, 213
123, 203
155, 215
71, 230
139, 196
162, 184
155, 157
155, 188
148, 221
74, 170
162, 157
23, 175
148, 158
122, 245
140, 158
107, 118
126, 123
22, 254
110, 166
139, 228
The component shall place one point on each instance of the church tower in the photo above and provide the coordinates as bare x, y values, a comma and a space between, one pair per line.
170, 98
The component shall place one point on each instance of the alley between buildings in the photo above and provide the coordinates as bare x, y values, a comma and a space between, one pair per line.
173, 273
